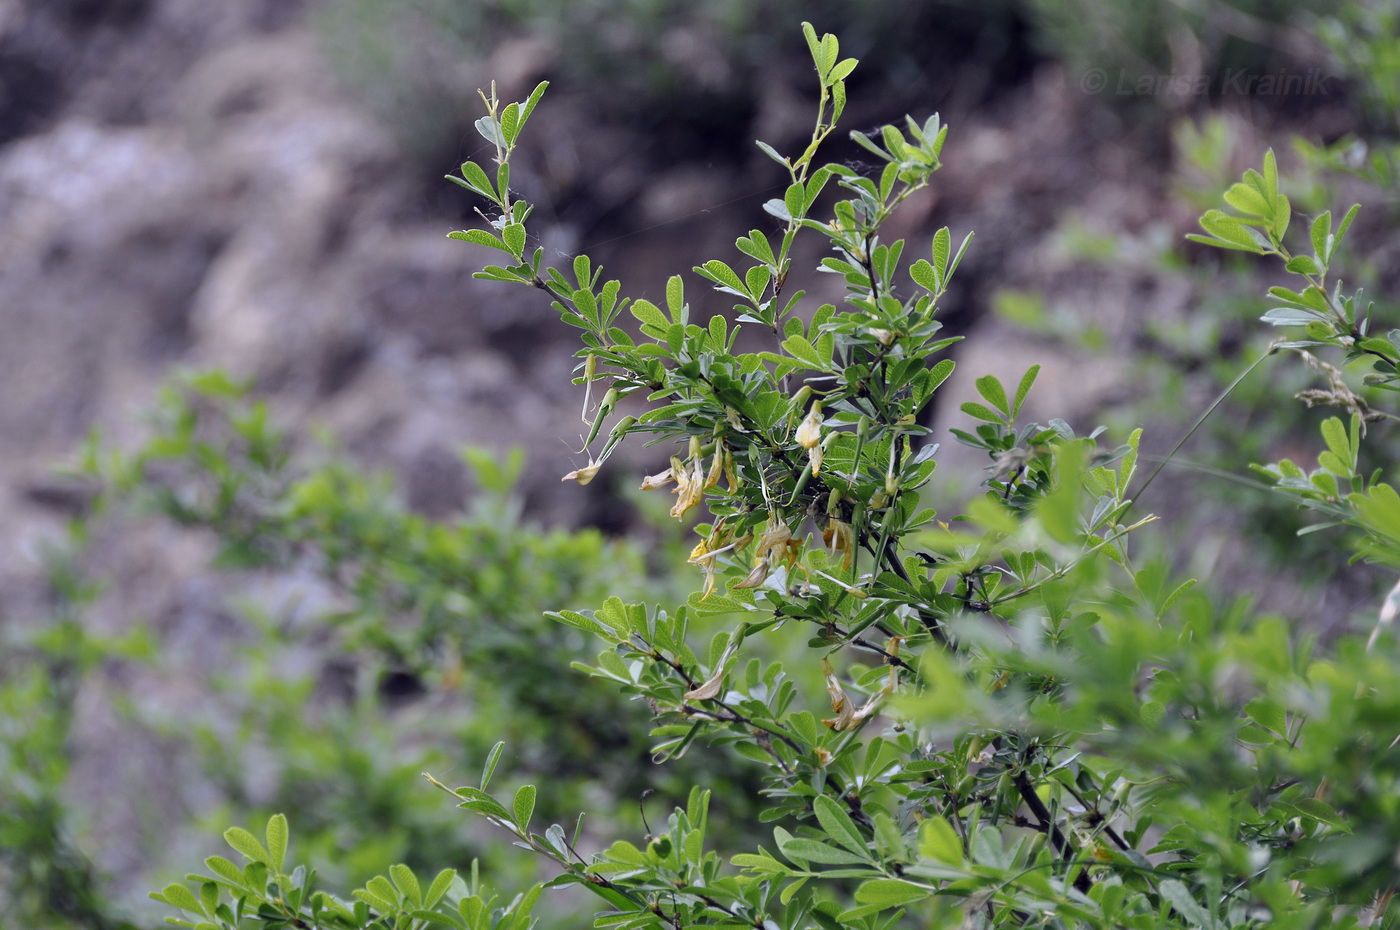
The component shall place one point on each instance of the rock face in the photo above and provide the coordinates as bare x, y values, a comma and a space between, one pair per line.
193, 187
200, 191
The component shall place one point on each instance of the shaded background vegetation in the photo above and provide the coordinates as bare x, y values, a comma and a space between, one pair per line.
258, 188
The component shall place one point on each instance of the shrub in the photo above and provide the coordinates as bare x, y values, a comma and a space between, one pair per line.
1028, 725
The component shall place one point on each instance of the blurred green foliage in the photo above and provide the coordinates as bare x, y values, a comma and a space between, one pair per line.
46, 878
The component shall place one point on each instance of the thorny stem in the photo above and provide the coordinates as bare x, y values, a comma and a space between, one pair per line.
731, 715
1195, 426
889, 658
1097, 817
1062, 844
1065, 569
931, 621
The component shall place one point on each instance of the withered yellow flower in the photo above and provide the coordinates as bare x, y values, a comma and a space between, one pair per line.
660, 480
757, 575
717, 466
710, 688
585, 474
847, 716
840, 703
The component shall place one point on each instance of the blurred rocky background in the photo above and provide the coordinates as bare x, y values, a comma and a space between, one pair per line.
257, 186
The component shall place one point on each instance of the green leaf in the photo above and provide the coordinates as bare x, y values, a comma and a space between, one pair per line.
813, 45
1024, 388
756, 246
1229, 232
980, 412
1320, 234
510, 123
794, 200
1345, 225
1247, 200
480, 181
803, 351
1335, 435
474, 799
924, 275
889, 892
1268, 714
1180, 898
992, 391
1322, 812
838, 825
1302, 264
439, 887
407, 884
1382, 346
533, 101
756, 280
489, 768
179, 896
939, 842
479, 237
773, 153
513, 235
760, 863
722, 275
524, 805
926, 383
226, 870
812, 851
842, 70
830, 50
790, 890
490, 131
378, 892
587, 624
246, 843
277, 840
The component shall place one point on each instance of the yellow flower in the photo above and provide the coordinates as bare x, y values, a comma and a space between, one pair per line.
809, 436
839, 537
706, 555
690, 485
809, 430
